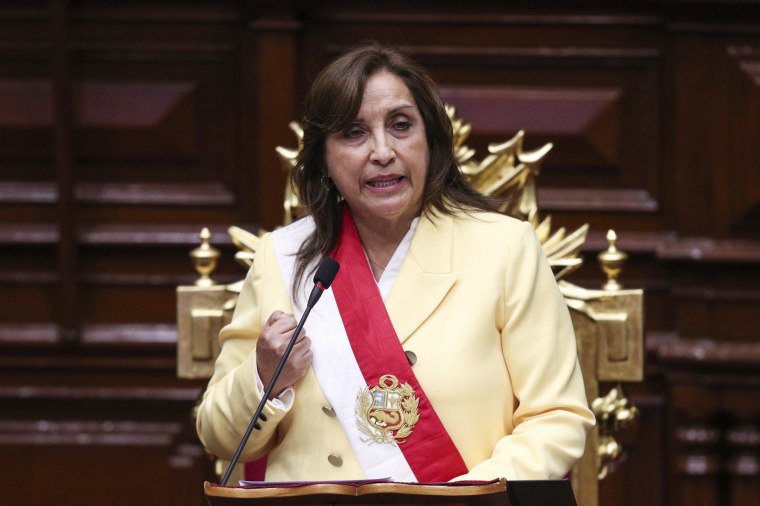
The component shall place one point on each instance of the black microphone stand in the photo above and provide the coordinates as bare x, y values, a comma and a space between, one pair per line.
323, 278
267, 392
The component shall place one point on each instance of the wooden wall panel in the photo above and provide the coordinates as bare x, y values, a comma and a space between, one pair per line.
738, 191
719, 175
125, 127
26, 118
154, 114
26, 124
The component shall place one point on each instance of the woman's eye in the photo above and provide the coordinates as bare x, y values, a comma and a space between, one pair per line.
353, 133
402, 126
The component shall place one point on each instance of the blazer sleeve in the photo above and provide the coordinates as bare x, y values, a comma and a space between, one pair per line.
551, 417
233, 393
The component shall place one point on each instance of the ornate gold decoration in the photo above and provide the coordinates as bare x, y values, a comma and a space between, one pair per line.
247, 244
290, 203
204, 259
387, 412
612, 260
202, 310
509, 174
608, 327
613, 412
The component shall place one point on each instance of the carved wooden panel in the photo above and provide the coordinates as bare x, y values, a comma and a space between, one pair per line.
162, 127
125, 127
738, 190
716, 128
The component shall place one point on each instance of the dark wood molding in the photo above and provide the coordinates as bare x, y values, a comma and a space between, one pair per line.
86, 432
708, 250
118, 234
710, 352
103, 12
28, 334
183, 234
154, 393
176, 194
712, 294
597, 200
153, 52
93, 335
29, 233
459, 14
482, 54
631, 241
275, 24
23, 192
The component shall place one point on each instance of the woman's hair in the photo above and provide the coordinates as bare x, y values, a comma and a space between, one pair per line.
332, 104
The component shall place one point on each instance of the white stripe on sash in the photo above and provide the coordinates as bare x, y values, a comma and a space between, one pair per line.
334, 363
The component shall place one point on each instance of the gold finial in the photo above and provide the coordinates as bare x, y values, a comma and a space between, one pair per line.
612, 261
204, 259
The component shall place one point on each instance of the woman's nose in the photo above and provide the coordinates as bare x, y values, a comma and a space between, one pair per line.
382, 150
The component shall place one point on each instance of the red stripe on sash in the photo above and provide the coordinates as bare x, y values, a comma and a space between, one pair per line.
429, 450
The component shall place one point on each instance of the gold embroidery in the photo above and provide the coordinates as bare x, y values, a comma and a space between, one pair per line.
387, 412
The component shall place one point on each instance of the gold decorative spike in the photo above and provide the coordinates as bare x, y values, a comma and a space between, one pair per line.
290, 204
509, 174
246, 243
461, 132
612, 261
204, 258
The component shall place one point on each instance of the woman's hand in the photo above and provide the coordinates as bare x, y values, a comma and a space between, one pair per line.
273, 341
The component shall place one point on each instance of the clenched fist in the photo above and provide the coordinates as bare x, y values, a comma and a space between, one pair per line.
273, 341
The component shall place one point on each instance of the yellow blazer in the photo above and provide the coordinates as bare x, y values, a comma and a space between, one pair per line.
476, 301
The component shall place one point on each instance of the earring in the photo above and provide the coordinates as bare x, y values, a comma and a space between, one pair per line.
325, 180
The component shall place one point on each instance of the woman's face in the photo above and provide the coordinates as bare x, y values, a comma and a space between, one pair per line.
380, 162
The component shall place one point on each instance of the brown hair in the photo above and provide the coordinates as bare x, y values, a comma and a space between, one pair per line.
332, 105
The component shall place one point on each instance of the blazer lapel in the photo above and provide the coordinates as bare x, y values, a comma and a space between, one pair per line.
425, 277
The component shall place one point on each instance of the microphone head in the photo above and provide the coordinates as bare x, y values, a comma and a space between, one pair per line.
326, 272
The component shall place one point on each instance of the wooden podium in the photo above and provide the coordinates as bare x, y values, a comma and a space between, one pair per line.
491, 493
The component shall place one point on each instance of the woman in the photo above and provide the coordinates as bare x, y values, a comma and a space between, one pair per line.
444, 349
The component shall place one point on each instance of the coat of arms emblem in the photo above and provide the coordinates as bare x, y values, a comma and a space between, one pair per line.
388, 411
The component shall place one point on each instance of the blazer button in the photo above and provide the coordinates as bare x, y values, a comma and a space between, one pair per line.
328, 411
335, 460
411, 357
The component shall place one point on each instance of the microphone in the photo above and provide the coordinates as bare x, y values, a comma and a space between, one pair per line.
323, 278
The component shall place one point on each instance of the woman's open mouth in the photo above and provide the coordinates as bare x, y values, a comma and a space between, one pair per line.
385, 183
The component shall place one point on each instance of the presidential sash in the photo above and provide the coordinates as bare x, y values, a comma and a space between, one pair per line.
389, 422
393, 408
